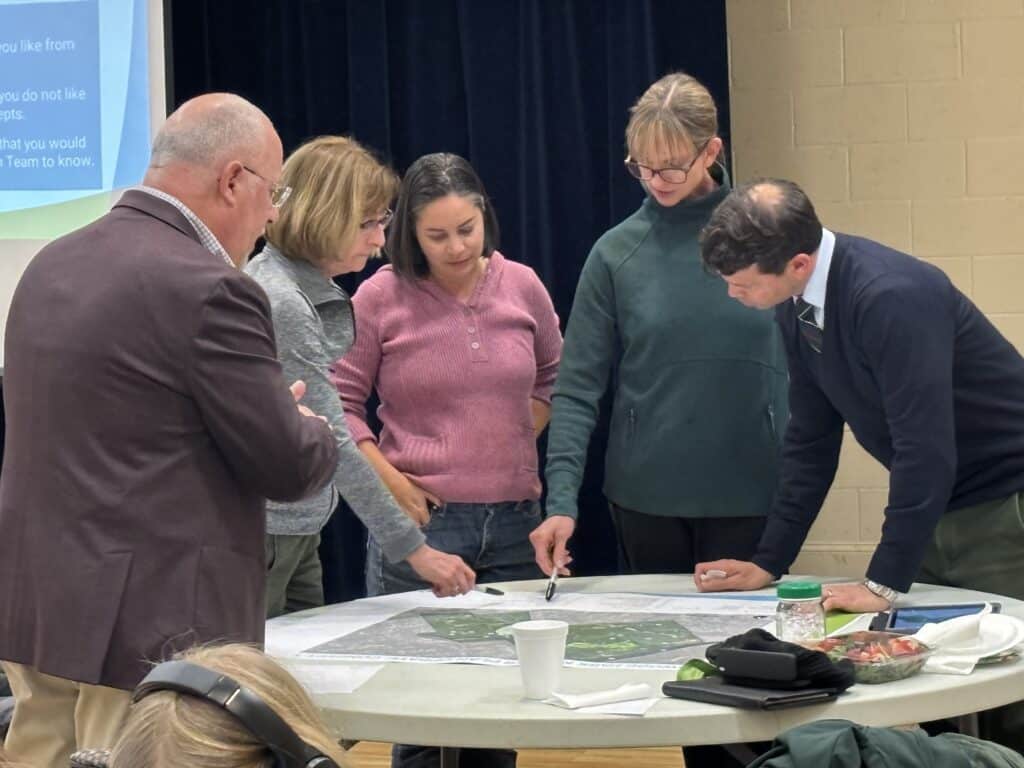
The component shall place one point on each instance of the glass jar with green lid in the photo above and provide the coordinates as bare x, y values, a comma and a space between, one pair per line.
799, 616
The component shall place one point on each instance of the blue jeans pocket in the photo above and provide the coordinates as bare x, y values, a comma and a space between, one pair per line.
531, 511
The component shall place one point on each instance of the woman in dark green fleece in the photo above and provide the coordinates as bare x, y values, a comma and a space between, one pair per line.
699, 387
699, 383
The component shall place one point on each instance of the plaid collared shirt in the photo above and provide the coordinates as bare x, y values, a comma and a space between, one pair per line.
206, 237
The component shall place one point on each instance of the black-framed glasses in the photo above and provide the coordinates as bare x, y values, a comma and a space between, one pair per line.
671, 175
381, 222
279, 193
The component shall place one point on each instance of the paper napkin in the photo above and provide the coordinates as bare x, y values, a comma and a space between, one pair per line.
958, 644
628, 699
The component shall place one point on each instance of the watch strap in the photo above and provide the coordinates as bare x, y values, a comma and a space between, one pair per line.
886, 593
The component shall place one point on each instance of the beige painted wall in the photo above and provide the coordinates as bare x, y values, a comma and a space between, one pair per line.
904, 121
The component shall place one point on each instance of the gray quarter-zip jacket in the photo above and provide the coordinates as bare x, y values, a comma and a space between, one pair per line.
314, 326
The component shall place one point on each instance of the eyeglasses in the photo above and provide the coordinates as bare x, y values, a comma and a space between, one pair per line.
279, 193
382, 222
671, 175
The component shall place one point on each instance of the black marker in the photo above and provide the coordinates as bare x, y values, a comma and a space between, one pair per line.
552, 583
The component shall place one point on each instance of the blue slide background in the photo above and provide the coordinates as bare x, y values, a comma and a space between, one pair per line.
90, 145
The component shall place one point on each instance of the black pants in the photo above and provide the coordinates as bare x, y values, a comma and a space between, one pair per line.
409, 756
656, 544
343, 556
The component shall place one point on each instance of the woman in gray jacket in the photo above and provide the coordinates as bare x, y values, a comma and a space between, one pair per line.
333, 221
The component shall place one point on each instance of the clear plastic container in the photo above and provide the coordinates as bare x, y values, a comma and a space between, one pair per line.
799, 615
878, 657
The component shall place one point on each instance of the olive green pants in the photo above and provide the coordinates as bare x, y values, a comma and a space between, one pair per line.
294, 576
982, 548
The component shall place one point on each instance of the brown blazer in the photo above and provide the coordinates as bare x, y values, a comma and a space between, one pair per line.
147, 420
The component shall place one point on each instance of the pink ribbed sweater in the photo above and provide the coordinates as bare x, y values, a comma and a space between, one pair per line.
454, 379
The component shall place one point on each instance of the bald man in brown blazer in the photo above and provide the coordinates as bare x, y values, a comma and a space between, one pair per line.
147, 421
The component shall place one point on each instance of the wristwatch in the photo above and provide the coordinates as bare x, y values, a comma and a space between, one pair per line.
888, 594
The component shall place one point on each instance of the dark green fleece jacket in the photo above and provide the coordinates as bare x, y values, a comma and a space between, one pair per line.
842, 744
698, 380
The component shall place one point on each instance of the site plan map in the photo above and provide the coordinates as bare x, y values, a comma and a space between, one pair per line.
618, 629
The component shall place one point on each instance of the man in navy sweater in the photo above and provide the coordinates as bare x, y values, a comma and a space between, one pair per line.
883, 342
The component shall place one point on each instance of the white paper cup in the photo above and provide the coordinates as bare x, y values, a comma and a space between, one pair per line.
540, 646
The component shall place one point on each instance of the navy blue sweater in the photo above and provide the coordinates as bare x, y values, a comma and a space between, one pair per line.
929, 388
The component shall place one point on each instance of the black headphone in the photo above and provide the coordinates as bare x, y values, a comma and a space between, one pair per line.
263, 722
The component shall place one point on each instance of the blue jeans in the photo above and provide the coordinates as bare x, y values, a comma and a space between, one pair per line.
493, 540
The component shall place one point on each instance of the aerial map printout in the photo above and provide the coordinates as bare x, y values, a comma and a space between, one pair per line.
629, 630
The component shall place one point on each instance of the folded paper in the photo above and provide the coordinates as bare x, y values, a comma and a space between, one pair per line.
628, 699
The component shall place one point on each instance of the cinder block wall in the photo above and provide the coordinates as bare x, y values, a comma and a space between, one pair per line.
904, 121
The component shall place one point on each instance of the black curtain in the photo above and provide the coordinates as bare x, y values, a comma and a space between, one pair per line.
534, 92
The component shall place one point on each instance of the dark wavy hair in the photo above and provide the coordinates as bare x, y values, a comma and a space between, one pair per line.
428, 179
765, 222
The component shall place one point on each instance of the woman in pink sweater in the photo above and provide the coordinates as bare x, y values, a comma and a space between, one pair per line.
462, 347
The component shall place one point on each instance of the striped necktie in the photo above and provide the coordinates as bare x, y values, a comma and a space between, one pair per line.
809, 328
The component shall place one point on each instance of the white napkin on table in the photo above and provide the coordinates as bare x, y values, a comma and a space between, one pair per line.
958, 644
628, 699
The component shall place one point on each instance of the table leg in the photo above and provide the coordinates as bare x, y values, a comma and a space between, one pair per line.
741, 753
449, 757
968, 724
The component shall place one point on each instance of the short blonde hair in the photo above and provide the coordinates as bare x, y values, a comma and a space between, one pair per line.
336, 184
167, 729
676, 114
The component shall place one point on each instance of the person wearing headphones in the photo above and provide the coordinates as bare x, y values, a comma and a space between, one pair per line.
228, 706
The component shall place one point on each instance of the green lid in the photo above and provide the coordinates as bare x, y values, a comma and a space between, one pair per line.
798, 590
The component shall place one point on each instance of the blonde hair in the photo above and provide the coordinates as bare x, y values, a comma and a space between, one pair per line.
167, 729
676, 114
336, 184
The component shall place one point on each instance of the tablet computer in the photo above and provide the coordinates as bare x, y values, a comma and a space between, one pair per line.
910, 618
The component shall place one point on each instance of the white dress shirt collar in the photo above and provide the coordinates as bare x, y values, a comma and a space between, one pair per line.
817, 286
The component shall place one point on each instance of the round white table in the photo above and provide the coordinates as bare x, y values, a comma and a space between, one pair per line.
482, 706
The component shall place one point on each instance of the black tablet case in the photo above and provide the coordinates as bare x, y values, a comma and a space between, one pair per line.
714, 690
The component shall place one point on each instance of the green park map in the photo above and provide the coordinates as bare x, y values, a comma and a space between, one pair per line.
595, 638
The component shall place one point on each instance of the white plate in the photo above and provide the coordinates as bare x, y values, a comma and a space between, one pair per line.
997, 633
